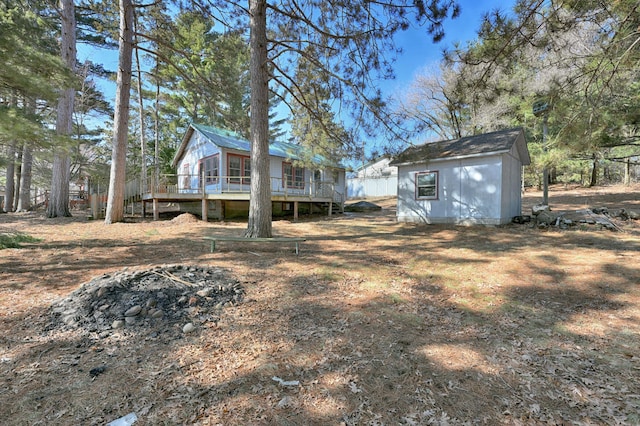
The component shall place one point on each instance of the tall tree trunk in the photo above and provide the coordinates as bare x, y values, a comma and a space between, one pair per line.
10, 183
156, 131
18, 180
143, 141
627, 172
260, 209
117, 178
59, 197
594, 172
9, 187
24, 199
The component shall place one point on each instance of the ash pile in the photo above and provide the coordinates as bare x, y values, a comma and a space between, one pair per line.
163, 299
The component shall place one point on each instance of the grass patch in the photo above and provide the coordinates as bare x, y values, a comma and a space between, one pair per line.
152, 232
15, 239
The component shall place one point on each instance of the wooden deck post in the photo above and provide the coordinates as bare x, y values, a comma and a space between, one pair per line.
205, 210
295, 210
330, 208
156, 211
144, 209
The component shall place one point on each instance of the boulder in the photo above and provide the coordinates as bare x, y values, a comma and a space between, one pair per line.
539, 208
362, 206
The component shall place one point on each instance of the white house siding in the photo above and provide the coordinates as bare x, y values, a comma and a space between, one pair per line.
198, 147
469, 191
377, 179
381, 186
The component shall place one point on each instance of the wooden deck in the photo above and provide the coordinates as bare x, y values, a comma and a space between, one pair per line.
203, 198
225, 189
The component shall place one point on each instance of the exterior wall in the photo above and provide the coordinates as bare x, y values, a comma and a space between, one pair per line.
198, 147
380, 186
377, 179
469, 192
377, 169
511, 186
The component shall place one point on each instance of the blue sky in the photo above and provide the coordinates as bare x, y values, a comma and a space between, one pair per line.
420, 52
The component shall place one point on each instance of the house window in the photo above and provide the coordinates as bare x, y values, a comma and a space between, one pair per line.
186, 179
293, 176
427, 185
239, 169
209, 168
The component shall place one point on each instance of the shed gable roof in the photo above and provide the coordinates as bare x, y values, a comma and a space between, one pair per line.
470, 146
231, 140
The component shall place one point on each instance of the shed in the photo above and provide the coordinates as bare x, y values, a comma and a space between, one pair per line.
471, 180
373, 179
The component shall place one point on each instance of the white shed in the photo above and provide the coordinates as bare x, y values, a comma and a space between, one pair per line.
373, 179
471, 180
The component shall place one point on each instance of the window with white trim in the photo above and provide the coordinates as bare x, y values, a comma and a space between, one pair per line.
427, 185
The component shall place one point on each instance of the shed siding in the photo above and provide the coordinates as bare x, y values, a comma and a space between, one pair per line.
469, 191
512, 186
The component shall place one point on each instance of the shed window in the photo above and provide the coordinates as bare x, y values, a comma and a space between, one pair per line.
293, 176
427, 185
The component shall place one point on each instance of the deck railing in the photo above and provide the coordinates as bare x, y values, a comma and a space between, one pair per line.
182, 184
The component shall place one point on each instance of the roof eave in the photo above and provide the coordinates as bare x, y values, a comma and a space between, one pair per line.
457, 157
183, 145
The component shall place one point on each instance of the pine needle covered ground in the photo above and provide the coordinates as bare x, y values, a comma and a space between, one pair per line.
374, 323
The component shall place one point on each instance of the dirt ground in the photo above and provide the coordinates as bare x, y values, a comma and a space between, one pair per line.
374, 323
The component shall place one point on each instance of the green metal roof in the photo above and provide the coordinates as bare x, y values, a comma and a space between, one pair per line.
231, 140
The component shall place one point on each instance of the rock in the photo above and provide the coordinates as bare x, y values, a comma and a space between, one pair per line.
205, 292
539, 208
94, 372
633, 214
133, 311
362, 206
117, 324
130, 320
69, 319
188, 328
600, 210
546, 218
157, 314
285, 402
521, 219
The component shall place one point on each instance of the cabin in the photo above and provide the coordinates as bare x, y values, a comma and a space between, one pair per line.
214, 177
471, 180
373, 179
